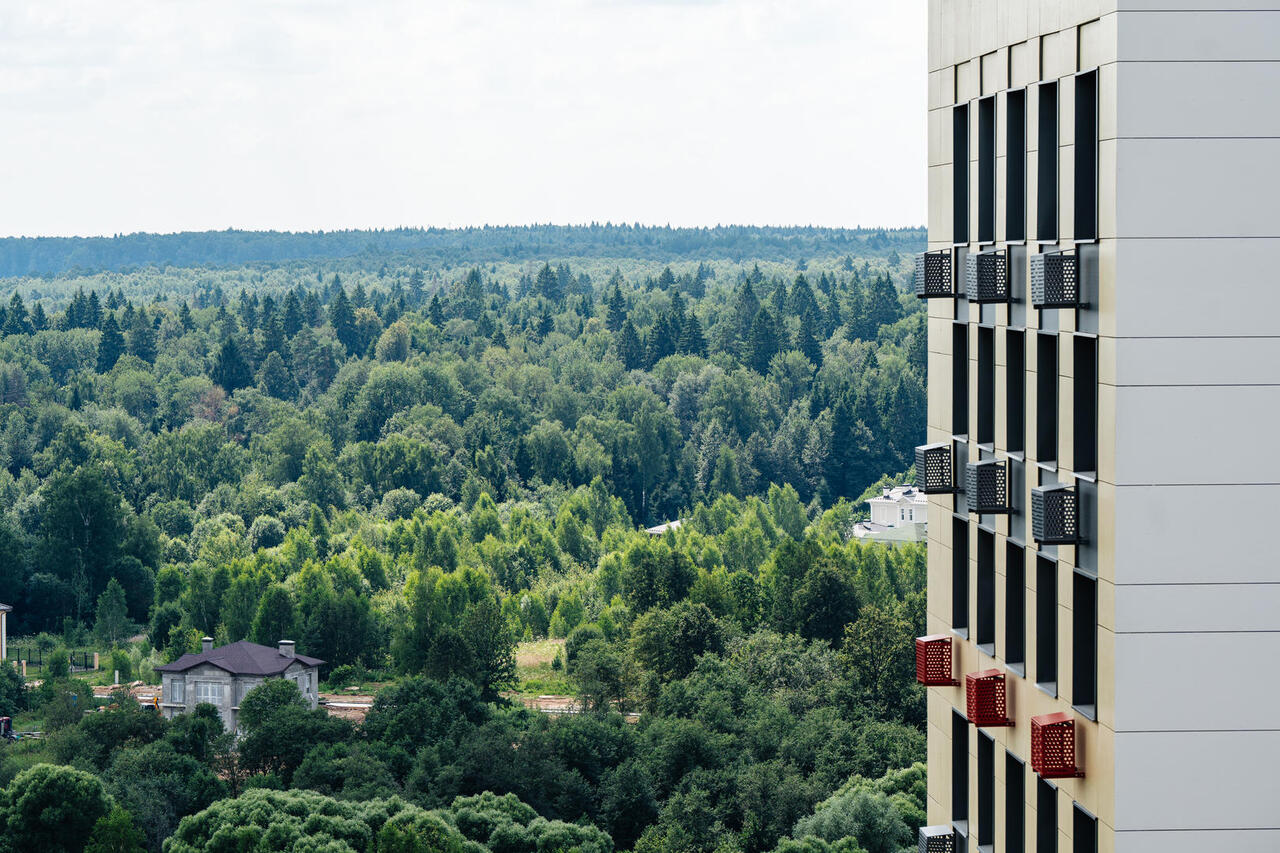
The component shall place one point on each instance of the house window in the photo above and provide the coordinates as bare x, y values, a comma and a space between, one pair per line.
1046, 397
1046, 817
1047, 623
986, 385
986, 628
987, 170
902, 515
959, 767
1014, 808
1047, 164
1085, 399
1015, 604
177, 692
1015, 391
1015, 166
1084, 642
209, 691
1084, 835
1086, 156
960, 378
986, 790
960, 173
960, 573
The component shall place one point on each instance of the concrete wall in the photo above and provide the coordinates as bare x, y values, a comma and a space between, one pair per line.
234, 689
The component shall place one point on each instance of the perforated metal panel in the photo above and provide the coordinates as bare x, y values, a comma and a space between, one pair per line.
1055, 518
1053, 746
987, 486
934, 468
933, 661
1055, 281
986, 276
937, 839
984, 696
933, 275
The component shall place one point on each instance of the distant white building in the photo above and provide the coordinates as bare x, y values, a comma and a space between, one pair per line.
899, 514
662, 529
4, 632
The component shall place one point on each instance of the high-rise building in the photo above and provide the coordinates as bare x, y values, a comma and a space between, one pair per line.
1104, 364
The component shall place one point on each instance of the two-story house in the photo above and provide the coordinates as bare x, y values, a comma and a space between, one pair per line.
221, 677
899, 514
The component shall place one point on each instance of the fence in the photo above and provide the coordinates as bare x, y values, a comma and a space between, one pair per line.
38, 658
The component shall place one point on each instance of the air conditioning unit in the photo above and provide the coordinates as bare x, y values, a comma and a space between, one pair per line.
933, 275
984, 697
1055, 280
937, 839
1053, 746
934, 469
987, 486
986, 276
1055, 516
933, 661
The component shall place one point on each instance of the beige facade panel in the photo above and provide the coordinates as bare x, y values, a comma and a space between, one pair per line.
1235, 36
1205, 607
1096, 43
1024, 63
1198, 361
1197, 99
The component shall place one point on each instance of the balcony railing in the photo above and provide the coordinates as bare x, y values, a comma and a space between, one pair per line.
986, 276
1053, 746
984, 696
1055, 280
1055, 516
987, 486
934, 468
933, 275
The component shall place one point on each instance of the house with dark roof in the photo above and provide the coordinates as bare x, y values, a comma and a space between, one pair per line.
221, 677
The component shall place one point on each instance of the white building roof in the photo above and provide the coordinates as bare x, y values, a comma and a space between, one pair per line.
898, 494
663, 528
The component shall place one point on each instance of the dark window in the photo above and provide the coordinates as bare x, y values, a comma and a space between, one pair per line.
1046, 817
960, 378
1046, 620
986, 790
1047, 164
986, 385
1015, 407
1015, 166
959, 573
1047, 397
987, 170
959, 767
1084, 640
1086, 156
986, 628
1015, 604
1015, 810
1085, 399
1084, 832
960, 173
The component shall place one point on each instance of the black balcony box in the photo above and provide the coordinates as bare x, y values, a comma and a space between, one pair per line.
1055, 281
986, 276
1055, 518
933, 275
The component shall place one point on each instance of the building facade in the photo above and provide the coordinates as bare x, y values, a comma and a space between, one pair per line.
221, 677
898, 514
4, 631
1103, 358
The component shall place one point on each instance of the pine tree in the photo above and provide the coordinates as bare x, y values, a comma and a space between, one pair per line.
499, 338
312, 313
93, 311
617, 314
274, 378
545, 324
434, 311
142, 338
416, 286
231, 371
343, 320
16, 321
39, 320
660, 342
762, 343
692, 341
748, 305
548, 284
184, 317
293, 319
111, 347
273, 336
359, 299
806, 342
630, 350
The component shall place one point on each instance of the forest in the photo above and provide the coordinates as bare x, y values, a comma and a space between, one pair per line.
417, 468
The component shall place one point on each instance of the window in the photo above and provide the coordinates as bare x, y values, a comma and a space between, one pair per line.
902, 515
986, 628
1015, 830
959, 767
987, 170
1015, 603
1047, 622
1046, 397
960, 574
1084, 834
986, 790
1084, 642
177, 692
1015, 166
1085, 399
986, 385
960, 378
1047, 164
1015, 391
209, 691
960, 173
1046, 817
1086, 156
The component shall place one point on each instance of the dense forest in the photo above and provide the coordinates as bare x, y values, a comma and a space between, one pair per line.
413, 468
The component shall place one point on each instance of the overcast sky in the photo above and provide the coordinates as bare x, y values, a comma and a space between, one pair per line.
156, 115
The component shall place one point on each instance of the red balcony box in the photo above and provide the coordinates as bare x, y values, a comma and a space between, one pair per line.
985, 698
933, 661
1053, 746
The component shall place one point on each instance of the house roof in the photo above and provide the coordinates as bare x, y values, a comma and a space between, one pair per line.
663, 528
242, 658
899, 494
6, 608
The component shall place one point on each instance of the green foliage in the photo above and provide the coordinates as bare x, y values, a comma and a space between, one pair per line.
52, 809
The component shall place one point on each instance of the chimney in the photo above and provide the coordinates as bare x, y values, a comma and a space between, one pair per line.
206, 644
286, 648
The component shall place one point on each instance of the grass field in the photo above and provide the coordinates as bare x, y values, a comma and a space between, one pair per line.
534, 674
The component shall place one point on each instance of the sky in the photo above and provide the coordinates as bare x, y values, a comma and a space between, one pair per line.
156, 115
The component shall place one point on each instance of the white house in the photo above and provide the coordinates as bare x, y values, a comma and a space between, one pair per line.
222, 676
4, 632
899, 514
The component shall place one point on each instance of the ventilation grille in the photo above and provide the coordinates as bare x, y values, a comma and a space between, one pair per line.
933, 275
987, 486
1053, 746
1054, 282
933, 661
986, 276
937, 839
934, 469
985, 698
1055, 519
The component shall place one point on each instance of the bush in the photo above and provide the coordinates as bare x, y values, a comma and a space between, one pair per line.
265, 532
58, 664
122, 663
